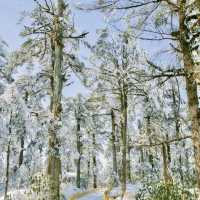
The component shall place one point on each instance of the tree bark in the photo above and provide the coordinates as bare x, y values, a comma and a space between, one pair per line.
123, 123
7, 171
129, 164
79, 149
177, 132
150, 155
191, 85
142, 162
88, 169
8, 159
21, 154
54, 162
166, 173
22, 137
94, 161
114, 151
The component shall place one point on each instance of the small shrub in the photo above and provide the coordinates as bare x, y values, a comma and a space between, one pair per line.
160, 191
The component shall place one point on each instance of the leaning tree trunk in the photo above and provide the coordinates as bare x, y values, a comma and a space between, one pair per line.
54, 162
79, 149
191, 85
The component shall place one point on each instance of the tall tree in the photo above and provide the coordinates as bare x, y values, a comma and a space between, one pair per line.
47, 34
118, 76
184, 32
54, 162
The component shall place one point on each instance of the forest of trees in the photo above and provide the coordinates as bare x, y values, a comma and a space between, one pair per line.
132, 133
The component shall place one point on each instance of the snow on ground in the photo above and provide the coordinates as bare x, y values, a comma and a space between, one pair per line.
93, 196
16, 194
69, 190
131, 188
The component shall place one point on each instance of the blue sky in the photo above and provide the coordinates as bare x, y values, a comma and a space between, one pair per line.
10, 28
10, 15
85, 21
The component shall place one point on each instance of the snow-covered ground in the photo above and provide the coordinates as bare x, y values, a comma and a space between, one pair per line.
131, 192
16, 195
93, 196
69, 190
131, 189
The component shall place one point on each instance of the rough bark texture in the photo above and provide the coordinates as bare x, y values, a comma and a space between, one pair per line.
54, 162
54, 167
191, 85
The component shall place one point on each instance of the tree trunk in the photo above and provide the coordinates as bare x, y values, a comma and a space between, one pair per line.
21, 154
54, 166
123, 123
148, 128
79, 145
22, 137
94, 161
7, 171
88, 169
168, 149
191, 85
177, 132
166, 174
142, 161
114, 151
129, 163
8, 159
54, 162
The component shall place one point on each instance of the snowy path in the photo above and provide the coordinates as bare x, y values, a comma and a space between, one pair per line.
93, 196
